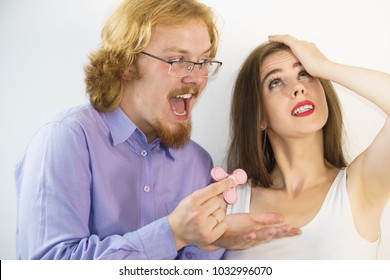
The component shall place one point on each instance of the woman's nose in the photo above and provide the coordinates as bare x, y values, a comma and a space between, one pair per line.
298, 89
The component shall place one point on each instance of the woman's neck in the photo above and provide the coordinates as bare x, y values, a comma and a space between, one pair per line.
300, 162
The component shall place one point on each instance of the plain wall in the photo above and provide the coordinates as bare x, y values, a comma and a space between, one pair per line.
44, 45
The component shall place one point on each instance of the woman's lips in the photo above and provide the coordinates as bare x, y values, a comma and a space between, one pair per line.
302, 109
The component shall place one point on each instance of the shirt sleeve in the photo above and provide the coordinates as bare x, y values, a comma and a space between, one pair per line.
194, 253
54, 190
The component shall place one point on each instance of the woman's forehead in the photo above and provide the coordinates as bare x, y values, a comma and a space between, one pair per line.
278, 60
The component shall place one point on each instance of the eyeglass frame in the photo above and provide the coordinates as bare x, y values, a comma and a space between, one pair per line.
188, 61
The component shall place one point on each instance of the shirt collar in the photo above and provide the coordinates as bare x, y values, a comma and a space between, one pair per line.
122, 128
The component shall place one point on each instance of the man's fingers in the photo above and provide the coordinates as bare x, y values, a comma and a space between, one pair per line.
288, 231
219, 215
213, 190
267, 218
277, 232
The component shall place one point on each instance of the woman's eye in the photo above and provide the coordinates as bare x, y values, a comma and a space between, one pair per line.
303, 74
274, 83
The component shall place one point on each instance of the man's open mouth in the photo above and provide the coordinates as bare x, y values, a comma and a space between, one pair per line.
180, 104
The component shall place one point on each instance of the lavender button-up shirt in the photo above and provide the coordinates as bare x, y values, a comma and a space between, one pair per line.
89, 186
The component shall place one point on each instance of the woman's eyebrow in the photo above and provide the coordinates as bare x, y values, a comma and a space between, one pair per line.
277, 70
273, 71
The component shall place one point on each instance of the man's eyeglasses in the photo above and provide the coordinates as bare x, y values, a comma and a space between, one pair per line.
181, 68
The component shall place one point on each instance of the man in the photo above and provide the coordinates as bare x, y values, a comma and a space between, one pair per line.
120, 178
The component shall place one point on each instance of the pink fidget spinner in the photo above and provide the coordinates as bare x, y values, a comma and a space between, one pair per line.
239, 176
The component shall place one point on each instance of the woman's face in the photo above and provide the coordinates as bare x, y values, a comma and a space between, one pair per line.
294, 101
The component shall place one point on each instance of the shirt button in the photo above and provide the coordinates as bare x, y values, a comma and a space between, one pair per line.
146, 189
144, 153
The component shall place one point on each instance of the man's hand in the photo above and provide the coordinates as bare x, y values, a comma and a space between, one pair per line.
199, 218
245, 230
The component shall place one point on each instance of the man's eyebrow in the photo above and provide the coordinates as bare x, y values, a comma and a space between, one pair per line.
184, 51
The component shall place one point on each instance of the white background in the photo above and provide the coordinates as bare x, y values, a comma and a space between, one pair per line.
45, 43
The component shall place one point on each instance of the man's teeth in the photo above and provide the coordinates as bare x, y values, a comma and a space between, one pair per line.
184, 96
302, 109
180, 114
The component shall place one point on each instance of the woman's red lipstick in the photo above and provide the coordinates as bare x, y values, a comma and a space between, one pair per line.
303, 108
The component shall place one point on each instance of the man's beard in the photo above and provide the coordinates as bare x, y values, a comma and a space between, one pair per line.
176, 138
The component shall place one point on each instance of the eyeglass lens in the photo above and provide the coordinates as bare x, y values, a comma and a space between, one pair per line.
183, 68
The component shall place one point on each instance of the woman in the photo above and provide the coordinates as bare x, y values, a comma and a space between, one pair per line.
286, 134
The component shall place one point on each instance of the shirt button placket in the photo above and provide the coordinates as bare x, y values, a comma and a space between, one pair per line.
144, 153
147, 196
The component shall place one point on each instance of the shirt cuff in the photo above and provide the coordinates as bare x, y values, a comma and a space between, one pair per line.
157, 240
194, 253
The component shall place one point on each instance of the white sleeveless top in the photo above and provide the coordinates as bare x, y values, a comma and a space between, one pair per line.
331, 234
